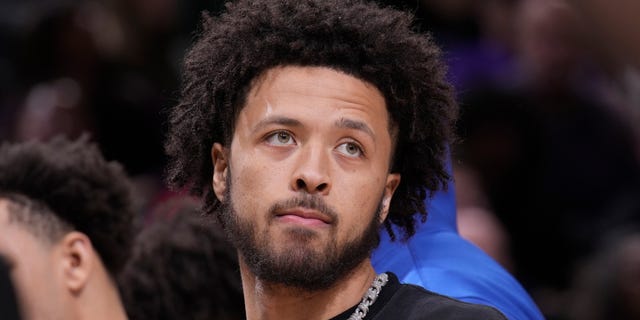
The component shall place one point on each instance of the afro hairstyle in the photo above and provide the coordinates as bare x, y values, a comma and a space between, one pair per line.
375, 44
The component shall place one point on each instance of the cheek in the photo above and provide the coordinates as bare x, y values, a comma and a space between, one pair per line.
35, 289
250, 177
361, 197
255, 186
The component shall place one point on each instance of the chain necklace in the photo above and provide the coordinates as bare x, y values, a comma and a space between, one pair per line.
370, 297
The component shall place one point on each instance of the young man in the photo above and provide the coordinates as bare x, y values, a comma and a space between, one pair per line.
65, 228
307, 125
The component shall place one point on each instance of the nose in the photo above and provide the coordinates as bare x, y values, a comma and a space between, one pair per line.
311, 173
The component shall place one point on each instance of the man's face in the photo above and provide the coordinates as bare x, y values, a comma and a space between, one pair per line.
32, 269
306, 179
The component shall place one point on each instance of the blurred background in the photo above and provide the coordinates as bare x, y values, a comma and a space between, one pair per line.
547, 167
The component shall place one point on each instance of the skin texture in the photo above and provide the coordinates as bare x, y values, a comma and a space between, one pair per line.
307, 131
31, 273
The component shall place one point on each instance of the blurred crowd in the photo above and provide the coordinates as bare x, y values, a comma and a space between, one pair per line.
547, 167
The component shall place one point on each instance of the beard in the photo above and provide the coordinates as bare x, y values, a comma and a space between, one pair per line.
298, 264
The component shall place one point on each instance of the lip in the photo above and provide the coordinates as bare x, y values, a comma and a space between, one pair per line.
304, 216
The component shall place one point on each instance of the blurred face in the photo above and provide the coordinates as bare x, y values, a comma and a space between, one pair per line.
307, 182
31, 261
549, 41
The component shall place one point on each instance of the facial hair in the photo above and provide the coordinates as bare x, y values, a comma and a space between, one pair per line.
299, 265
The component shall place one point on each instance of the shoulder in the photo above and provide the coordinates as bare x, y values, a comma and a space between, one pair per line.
413, 302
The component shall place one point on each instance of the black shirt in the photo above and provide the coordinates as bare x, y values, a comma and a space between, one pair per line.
404, 301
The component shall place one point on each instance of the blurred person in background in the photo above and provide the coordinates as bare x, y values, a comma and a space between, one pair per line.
552, 153
548, 134
58, 65
615, 31
607, 284
106, 68
476, 220
438, 257
182, 267
615, 27
66, 228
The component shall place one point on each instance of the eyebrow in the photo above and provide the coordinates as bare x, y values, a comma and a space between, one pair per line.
280, 120
290, 122
355, 125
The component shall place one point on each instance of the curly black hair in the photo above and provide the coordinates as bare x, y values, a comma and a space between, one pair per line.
375, 44
182, 268
73, 182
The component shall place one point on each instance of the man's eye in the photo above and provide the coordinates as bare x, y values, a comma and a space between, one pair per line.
280, 138
350, 149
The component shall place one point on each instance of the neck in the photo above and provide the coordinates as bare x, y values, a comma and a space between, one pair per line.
100, 300
265, 301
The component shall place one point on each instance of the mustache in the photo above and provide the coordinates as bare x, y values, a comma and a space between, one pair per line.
306, 201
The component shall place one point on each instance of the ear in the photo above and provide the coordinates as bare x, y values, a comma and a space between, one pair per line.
220, 168
393, 180
78, 260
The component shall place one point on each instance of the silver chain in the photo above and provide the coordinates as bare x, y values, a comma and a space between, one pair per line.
370, 297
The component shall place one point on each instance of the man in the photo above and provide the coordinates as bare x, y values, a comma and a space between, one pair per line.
65, 228
299, 122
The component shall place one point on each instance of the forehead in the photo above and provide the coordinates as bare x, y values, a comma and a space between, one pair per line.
298, 89
306, 78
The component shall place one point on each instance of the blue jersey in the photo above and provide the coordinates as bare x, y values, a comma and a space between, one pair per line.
440, 260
